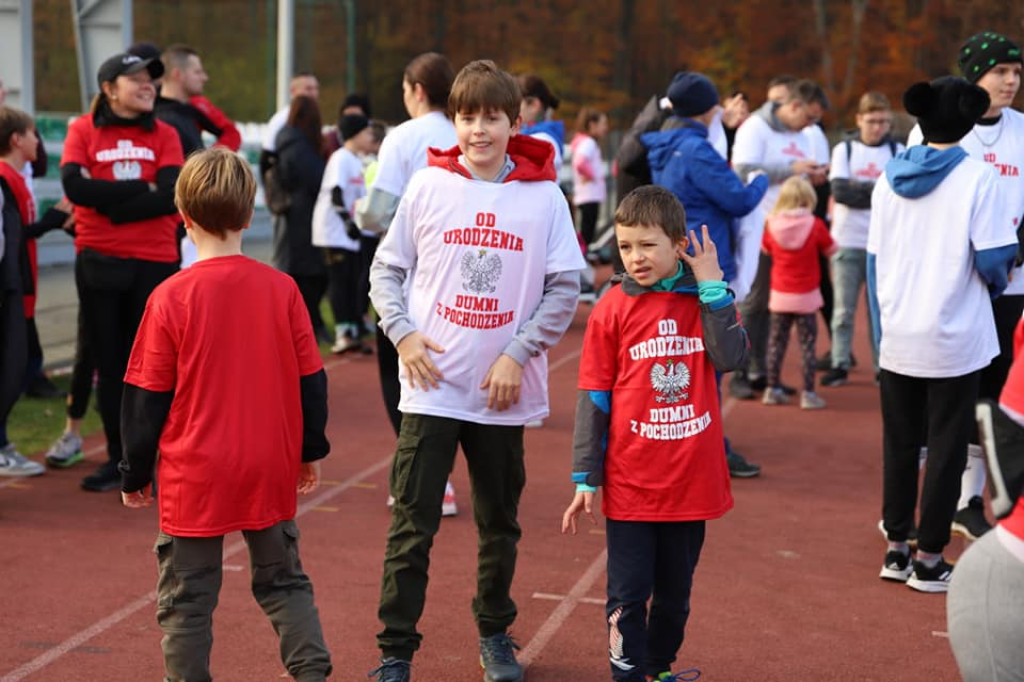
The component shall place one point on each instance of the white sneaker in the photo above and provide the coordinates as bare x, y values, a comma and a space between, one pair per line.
13, 463
809, 400
391, 501
774, 396
65, 451
448, 507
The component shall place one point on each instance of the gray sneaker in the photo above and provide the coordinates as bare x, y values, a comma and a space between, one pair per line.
498, 659
65, 451
809, 400
391, 670
13, 463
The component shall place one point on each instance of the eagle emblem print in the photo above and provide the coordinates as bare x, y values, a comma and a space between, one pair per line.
480, 272
670, 381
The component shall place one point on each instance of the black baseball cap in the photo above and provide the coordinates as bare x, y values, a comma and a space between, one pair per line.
125, 64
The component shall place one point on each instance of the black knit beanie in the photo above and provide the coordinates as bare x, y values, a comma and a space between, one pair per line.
982, 51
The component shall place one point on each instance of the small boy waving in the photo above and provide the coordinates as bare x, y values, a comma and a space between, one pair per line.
225, 380
649, 426
485, 240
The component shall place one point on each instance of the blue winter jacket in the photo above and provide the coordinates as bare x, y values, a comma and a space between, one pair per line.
684, 162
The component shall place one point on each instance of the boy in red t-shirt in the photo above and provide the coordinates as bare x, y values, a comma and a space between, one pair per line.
649, 426
225, 380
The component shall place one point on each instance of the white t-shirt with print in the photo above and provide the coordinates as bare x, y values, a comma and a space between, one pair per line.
588, 191
404, 150
860, 163
477, 254
1001, 145
936, 314
344, 169
757, 143
819, 143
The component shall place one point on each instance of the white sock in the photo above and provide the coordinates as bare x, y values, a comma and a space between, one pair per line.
972, 484
901, 547
928, 558
922, 456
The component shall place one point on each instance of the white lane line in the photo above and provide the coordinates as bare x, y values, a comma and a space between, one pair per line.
562, 612
563, 360
559, 597
101, 626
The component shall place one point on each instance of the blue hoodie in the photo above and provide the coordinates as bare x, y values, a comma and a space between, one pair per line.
556, 129
684, 162
915, 173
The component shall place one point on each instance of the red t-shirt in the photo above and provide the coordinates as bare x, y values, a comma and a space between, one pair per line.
798, 271
1012, 397
115, 152
231, 337
665, 459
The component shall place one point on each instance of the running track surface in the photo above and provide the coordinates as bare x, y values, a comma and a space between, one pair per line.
786, 589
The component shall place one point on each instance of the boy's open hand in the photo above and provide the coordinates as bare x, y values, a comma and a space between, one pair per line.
704, 261
502, 382
421, 370
583, 502
140, 499
309, 477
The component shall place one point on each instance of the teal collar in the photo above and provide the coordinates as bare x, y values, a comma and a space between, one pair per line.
669, 283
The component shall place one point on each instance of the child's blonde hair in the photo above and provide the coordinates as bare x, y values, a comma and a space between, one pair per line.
217, 190
796, 192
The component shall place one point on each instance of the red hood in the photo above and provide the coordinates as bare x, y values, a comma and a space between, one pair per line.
534, 159
790, 229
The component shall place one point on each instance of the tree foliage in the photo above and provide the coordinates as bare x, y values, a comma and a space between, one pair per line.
613, 54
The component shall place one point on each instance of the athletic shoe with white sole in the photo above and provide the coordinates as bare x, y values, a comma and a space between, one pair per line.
932, 580
65, 451
16, 465
897, 566
970, 521
448, 506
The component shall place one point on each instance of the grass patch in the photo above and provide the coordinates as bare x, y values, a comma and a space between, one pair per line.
34, 423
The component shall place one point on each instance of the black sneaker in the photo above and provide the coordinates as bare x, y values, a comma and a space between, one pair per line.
498, 659
739, 467
824, 363
391, 670
970, 521
897, 566
107, 477
932, 580
739, 387
836, 376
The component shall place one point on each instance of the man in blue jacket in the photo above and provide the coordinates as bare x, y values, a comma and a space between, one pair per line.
683, 161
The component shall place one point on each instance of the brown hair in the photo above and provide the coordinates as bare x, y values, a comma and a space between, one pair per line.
534, 86
586, 117
796, 192
653, 206
12, 121
176, 56
873, 101
217, 190
434, 73
482, 86
304, 115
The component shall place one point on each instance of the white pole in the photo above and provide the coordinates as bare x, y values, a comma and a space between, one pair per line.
285, 48
27, 96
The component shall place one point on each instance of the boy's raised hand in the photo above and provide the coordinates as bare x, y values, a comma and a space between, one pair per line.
422, 372
309, 477
583, 502
704, 261
503, 381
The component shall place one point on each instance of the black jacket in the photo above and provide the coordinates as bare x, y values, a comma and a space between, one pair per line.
300, 170
186, 120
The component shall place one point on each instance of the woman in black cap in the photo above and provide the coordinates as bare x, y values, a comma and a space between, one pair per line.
118, 169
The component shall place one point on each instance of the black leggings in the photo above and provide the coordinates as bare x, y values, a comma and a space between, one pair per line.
390, 385
13, 350
81, 373
313, 288
778, 339
112, 293
588, 220
343, 269
1007, 312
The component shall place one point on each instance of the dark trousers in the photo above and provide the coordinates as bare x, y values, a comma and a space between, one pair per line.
1007, 312
367, 249
12, 355
778, 339
189, 587
649, 561
756, 318
82, 372
112, 293
425, 455
313, 288
939, 414
827, 293
588, 220
390, 385
33, 353
343, 268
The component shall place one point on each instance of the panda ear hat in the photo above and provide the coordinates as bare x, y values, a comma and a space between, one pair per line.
946, 108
